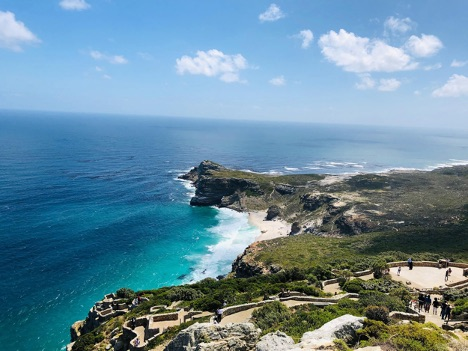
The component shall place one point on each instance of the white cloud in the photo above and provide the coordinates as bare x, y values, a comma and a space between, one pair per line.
360, 55
74, 5
425, 46
433, 67
113, 59
366, 82
398, 25
391, 84
306, 36
278, 81
456, 86
14, 33
273, 13
213, 63
146, 56
456, 63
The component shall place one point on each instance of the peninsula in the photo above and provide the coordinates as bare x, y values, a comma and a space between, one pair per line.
326, 271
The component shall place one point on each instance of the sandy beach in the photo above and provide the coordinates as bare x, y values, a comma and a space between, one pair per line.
269, 229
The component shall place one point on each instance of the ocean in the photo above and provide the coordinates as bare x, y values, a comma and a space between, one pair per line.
92, 203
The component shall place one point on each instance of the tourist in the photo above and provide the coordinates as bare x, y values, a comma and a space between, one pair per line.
137, 342
410, 263
435, 305
443, 309
446, 275
399, 270
133, 323
448, 311
427, 303
421, 301
449, 271
219, 314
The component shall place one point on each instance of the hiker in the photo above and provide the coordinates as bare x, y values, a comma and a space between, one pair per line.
435, 306
399, 270
137, 342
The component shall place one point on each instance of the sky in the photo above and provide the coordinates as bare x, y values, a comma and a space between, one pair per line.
381, 62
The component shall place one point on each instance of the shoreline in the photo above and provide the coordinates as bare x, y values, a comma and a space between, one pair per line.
276, 228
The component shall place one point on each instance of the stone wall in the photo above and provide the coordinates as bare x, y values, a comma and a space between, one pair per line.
173, 316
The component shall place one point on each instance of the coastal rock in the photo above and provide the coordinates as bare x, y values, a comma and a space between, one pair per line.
215, 337
273, 212
246, 266
343, 327
313, 201
210, 191
285, 189
75, 330
295, 228
352, 225
277, 341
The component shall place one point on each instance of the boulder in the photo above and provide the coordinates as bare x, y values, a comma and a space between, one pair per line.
215, 337
295, 228
273, 212
285, 189
277, 341
343, 327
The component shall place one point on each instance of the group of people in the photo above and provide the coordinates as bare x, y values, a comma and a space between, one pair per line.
425, 302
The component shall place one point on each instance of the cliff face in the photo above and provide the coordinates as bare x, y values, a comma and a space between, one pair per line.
213, 189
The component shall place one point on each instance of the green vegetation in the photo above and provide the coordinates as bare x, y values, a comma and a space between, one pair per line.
403, 337
362, 251
88, 341
300, 319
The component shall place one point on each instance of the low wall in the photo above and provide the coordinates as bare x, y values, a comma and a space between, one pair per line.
172, 316
462, 282
234, 309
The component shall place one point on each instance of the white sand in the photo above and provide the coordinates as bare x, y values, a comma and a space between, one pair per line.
269, 229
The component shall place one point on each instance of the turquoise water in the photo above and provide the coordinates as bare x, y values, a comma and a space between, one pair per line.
92, 203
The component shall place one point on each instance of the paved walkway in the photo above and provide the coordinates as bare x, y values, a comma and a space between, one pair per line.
426, 277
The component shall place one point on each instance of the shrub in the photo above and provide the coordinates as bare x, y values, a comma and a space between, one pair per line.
376, 298
87, 341
183, 293
125, 293
378, 267
353, 285
377, 313
270, 316
206, 303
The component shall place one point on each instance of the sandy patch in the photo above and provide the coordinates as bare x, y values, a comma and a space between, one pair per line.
269, 229
332, 179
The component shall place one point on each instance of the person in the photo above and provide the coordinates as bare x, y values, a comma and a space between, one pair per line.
399, 270
448, 311
219, 314
427, 303
446, 275
449, 271
133, 323
435, 305
137, 342
421, 301
443, 308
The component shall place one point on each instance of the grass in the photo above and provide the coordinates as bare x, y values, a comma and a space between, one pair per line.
307, 250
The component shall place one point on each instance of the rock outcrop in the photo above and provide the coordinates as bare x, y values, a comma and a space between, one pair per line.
285, 189
215, 337
343, 328
217, 190
314, 201
277, 341
273, 212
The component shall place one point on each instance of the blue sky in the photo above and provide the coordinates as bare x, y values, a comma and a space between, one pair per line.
360, 62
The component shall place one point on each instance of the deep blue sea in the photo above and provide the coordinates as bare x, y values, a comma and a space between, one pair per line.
91, 203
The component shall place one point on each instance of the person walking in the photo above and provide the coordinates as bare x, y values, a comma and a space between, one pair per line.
435, 305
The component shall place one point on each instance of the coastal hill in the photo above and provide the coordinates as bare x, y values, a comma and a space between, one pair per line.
409, 213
